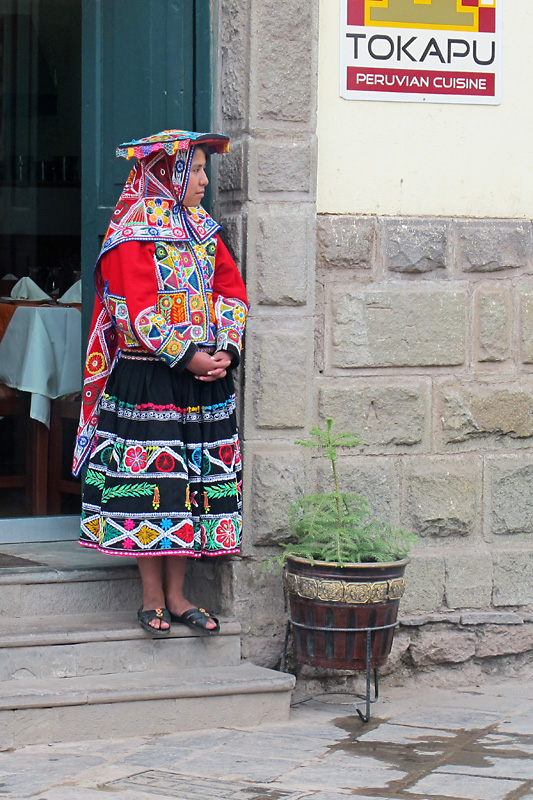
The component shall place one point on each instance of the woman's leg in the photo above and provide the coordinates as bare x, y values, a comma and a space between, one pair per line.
174, 577
151, 569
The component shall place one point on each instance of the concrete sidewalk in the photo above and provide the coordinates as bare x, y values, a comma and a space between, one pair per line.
472, 743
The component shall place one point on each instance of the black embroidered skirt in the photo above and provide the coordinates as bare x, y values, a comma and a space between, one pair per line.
164, 474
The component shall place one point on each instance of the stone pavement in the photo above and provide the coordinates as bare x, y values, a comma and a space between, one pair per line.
422, 743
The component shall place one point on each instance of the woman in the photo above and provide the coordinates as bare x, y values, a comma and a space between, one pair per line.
157, 427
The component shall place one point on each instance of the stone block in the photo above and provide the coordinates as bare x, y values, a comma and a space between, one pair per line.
489, 245
526, 323
280, 383
286, 44
231, 170
285, 254
480, 415
493, 313
513, 577
283, 166
387, 328
278, 478
234, 58
389, 416
400, 646
492, 618
468, 578
424, 583
346, 242
508, 497
441, 646
443, 498
414, 245
504, 640
374, 478
260, 607
232, 233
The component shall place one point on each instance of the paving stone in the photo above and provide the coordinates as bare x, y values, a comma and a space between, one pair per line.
466, 787
403, 734
517, 725
339, 771
515, 768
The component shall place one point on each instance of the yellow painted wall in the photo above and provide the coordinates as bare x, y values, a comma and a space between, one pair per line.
428, 159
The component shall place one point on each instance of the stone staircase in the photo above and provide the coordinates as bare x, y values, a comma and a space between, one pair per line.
66, 676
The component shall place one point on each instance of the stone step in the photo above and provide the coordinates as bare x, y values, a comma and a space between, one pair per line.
27, 592
41, 591
36, 711
98, 644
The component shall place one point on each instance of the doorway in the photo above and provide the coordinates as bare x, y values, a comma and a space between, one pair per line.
77, 77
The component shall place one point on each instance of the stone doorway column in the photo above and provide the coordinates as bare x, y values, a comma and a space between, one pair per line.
266, 102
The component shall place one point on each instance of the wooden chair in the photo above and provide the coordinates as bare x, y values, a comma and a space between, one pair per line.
63, 416
15, 406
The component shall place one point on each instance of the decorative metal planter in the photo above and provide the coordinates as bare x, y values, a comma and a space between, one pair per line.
344, 617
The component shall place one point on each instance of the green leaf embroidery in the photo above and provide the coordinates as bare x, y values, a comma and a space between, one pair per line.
134, 490
95, 478
221, 490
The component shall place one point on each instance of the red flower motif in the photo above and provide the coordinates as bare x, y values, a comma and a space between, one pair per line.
225, 534
165, 462
226, 454
128, 543
186, 533
135, 459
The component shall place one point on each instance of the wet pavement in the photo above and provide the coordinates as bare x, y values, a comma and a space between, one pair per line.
421, 743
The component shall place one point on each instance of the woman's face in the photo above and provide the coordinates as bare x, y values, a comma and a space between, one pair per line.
198, 180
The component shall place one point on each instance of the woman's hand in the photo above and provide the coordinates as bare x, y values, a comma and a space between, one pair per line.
209, 368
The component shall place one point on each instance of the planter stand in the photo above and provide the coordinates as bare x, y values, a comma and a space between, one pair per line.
366, 698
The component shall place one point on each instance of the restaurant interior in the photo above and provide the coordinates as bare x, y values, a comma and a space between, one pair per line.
40, 262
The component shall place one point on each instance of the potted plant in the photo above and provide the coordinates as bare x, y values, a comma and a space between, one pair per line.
343, 572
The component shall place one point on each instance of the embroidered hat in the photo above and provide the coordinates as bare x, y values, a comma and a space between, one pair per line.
172, 141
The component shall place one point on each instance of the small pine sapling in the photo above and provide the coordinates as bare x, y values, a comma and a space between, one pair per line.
337, 527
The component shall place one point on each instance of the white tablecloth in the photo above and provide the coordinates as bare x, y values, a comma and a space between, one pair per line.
40, 353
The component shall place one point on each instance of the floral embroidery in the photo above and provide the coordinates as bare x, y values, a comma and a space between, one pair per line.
226, 454
129, 525
225, 534
128, 544
186, 533
135, 459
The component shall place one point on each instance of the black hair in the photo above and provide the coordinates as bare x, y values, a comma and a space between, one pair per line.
206, 151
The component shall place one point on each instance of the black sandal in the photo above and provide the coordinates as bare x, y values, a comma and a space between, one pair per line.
145, 617
197, 618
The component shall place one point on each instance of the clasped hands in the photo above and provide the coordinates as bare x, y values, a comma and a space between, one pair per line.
209, 368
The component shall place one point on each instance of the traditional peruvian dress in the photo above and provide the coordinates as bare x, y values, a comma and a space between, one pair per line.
161, 448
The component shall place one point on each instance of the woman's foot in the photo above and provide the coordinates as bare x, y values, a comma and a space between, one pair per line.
197, 618
156, 620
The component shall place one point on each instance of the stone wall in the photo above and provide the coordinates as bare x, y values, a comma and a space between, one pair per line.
425, 333
416, 333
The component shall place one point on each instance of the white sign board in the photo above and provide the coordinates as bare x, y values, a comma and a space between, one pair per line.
436, 51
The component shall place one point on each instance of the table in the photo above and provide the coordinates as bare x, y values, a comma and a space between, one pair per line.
40, 353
